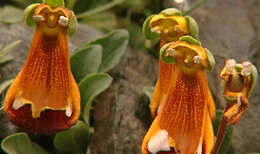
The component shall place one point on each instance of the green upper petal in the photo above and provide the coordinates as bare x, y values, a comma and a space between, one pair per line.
28, 13
54, 3
163, 57
193, 27
171, 12
147, 31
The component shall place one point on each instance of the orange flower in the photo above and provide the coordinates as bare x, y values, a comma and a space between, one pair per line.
183, 124
44, 96
238, 82
170, 25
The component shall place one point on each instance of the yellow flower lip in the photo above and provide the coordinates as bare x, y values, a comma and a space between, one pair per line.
52, 19
188, 56
169, 26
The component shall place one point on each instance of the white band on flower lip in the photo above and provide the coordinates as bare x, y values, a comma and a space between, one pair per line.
64, 21
159, 142
156, 30
246, 71
171, 52
197, 59
230, 65
38, 18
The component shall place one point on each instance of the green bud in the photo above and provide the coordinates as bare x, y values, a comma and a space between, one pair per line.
190, 40
147, 31
28, 13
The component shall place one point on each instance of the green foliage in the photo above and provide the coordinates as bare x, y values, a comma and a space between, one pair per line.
90, 87
148, 91
89, 64
226, 143
85, 61
74, 140
4, 51
10, 14
114, 45
20, 143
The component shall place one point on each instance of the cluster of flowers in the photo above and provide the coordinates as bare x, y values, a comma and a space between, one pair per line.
182, 105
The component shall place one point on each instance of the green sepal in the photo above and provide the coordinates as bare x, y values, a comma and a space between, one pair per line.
28, 13
147, 30
163, 57
193, 27
54, 3
211, 60
254, 78
171, 12
230, 99
238, 67
73, 24
190, 40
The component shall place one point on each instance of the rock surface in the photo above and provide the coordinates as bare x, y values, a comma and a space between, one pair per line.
230, 29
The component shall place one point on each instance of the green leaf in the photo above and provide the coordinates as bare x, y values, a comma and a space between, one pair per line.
5, 59
5, 84
20, 143
28, 13
54, 3
86, 61
148, 91
74, 140
147, 30
104, 20
190, 40
90, 87
226, 143
114, 45
10, 14
100, 9
9, 47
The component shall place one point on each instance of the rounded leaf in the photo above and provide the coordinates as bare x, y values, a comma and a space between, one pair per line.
190, 40
171, 12
193, 27
147, 31
164, 57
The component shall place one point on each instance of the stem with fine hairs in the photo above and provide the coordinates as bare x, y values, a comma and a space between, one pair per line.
220, 135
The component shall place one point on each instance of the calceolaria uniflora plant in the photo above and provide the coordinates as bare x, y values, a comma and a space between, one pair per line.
182, 105
53, 92
239, 80
169, 25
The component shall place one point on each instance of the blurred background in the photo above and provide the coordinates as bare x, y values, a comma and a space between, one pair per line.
120, 116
